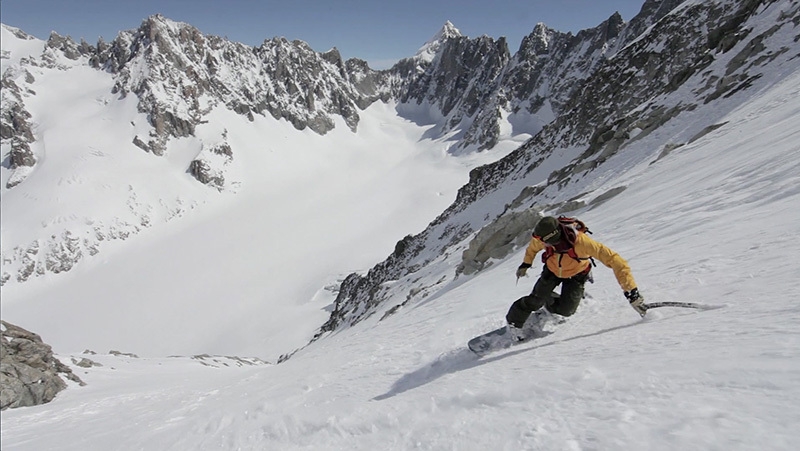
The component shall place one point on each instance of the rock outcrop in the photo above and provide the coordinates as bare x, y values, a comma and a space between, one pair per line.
15, 126
210, 165
29, 373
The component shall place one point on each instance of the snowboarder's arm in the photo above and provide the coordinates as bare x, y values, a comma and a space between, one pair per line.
611, 259
533, 248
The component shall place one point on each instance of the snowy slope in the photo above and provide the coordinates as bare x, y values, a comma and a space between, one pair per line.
182, 268
714, 221
17, 45
247, 264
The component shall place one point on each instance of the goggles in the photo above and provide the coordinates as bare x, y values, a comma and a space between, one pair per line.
551, 238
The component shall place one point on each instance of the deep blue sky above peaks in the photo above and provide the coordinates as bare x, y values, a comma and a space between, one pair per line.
381, 31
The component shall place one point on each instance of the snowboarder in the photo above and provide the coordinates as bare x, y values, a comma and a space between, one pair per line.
568, 259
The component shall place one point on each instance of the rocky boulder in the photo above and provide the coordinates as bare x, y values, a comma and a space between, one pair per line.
29, 373
210, 165
498, 239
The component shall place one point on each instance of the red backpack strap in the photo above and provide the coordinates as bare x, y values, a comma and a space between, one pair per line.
579, 225
548, 252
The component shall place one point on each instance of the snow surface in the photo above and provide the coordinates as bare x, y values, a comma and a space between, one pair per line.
246, 271
15, 48
310, 210
715, 221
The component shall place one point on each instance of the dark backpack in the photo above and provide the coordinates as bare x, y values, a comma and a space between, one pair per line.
570, 228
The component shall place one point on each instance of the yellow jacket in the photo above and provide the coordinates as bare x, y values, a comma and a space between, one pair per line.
564, 266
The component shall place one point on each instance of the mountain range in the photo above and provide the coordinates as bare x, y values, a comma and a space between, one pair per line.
164, 98
218, 246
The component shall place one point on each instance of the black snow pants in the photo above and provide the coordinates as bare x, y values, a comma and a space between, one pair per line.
542, 296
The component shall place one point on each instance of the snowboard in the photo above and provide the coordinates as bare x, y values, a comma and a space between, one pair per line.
492, 341
499, 339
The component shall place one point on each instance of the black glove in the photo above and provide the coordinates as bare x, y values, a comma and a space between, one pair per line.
523, 268
636, 300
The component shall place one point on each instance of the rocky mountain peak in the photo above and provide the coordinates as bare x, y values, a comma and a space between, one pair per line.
64, 44
603, 34
469, 86
158, 25
428, 51
19, 34
613, 25
537, 42
448, 31
652, 11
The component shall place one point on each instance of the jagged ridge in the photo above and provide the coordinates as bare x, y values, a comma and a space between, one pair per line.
713, 50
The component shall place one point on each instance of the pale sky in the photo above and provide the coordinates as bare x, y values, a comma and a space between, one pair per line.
380, 32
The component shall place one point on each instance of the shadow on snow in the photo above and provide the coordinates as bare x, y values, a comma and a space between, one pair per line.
464, 359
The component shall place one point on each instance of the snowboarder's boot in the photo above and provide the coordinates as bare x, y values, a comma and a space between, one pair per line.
516, 333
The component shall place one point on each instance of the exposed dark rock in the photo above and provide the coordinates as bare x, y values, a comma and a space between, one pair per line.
140, 144
15, 127
209, 166
21, 154
85, 363
608, 195
497, 239
65, 45
29, 373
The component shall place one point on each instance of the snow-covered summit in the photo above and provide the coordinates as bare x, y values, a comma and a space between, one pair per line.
724, 379
16, 32
428, 51
16, 44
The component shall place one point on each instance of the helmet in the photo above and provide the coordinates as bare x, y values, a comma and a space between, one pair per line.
548, 230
